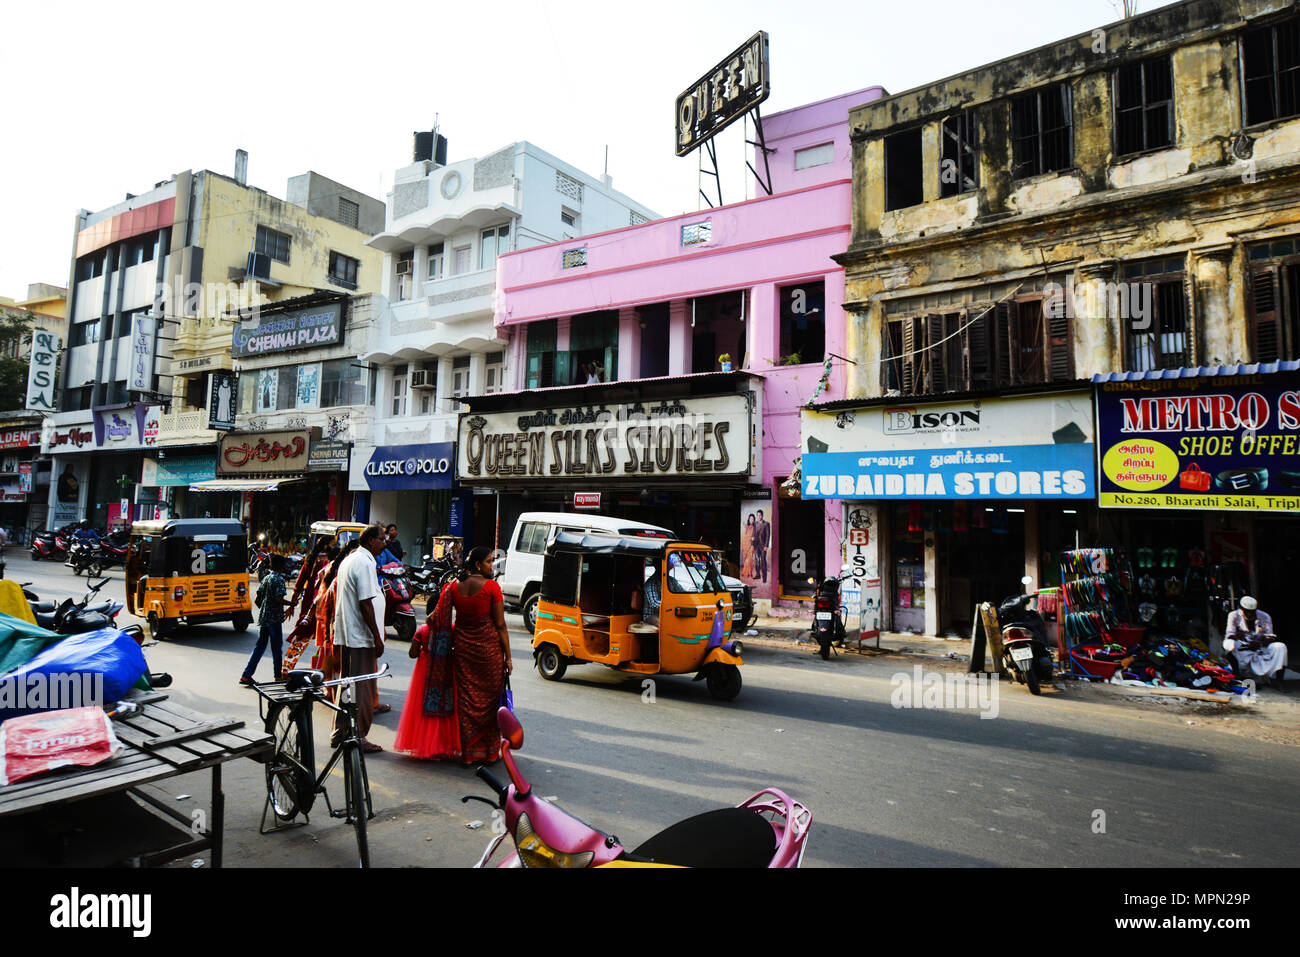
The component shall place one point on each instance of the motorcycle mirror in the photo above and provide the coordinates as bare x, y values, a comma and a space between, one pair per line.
511, 729
1027, 580
812, 581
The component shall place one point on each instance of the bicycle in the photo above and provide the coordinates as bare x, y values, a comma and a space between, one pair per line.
292, 784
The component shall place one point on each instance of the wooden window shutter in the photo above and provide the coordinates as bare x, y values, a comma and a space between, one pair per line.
936, 377
910, 359
1266, 329
978, 345
1005, 344
1060, 348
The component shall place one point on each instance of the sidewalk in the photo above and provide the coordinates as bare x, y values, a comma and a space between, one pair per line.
787, 631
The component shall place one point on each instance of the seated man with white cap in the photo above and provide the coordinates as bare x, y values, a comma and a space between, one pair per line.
1249, 638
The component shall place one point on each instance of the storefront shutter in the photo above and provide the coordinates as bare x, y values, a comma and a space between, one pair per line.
1266, 329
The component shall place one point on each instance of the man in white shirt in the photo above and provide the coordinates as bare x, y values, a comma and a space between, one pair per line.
358, 628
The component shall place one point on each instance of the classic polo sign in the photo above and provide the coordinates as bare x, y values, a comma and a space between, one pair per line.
425, 466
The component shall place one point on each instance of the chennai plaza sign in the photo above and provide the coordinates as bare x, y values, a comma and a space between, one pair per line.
704, 437
723, 95
287, 331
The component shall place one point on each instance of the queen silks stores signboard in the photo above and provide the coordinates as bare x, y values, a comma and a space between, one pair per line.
1206, 441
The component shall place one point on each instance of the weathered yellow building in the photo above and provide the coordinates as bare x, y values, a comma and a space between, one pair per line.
1124, 203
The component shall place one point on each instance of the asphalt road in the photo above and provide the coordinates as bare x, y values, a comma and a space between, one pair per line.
1051, 781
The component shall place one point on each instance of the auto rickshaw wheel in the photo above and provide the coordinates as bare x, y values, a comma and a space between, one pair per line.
241, 621
550, 663
530, 612
723, 681
160, 628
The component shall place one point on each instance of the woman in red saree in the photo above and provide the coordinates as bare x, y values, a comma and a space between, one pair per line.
465, 695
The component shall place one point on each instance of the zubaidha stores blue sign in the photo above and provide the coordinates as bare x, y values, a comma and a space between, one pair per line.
427, 466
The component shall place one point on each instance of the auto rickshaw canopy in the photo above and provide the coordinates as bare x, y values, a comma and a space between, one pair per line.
188, 527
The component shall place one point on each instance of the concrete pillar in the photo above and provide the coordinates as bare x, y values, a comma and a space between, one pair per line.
762, 332
931, 583
629, 344
679, 337
1223, 341
1098, 343
444, 403
562, 327
477, 373
1033, 553
421, 267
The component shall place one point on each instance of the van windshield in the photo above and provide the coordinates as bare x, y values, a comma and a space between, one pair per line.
693, 573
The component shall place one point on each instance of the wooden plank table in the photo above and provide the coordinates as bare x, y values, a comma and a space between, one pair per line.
161, 740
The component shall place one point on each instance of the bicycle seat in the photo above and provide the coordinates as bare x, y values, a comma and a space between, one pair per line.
301, 678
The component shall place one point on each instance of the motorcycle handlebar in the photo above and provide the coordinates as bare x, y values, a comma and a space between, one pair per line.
490, 779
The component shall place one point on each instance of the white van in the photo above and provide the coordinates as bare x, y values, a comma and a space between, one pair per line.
521, 576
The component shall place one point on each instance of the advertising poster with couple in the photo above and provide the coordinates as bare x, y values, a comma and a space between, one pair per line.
756, 541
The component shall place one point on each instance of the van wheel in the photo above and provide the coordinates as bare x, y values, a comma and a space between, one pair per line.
530, 612
724, 682
550, 663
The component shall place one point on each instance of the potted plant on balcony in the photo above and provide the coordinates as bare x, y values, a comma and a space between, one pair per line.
724, 360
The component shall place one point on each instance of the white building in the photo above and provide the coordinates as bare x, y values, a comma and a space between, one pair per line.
446, 224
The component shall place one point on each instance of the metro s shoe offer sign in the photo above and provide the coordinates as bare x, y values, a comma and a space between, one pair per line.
1209, 442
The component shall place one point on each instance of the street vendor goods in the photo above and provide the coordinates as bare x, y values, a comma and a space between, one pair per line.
37, 743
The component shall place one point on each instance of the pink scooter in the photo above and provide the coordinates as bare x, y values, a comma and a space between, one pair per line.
768, 830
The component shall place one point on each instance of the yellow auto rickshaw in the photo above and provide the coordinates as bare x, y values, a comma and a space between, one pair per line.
598, 600
188, 571
336, 533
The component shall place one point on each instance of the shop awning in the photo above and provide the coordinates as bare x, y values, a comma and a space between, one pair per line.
1255, 368
241, 485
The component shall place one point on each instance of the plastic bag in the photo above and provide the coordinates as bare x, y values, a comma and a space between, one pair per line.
65, 674
37, 743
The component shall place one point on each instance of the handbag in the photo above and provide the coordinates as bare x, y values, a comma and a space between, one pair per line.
507, 697
1194, 478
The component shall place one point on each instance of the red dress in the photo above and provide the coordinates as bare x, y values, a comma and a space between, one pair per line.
428, 728
480, 673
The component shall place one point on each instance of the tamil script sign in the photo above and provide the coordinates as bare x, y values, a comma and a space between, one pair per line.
723, 95
690, 437
40, 374
287, 331
1032, 447
263, 452
1204, 442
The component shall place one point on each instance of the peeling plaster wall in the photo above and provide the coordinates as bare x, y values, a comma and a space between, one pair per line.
1195, 200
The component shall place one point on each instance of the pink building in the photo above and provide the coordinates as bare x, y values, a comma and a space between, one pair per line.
705, 327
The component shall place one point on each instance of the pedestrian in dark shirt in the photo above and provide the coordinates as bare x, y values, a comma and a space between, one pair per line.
270, 597
393, 545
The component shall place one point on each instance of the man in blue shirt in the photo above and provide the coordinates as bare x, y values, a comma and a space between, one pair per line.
272, 603
85, 534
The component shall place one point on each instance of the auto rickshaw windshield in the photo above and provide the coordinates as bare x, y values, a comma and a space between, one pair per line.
201, 555
693, 573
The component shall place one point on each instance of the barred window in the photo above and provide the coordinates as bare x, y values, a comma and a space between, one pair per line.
273, 244
636, 219
1270, 58
1153, 310
349, 212
696, 233
573, 257
1041, 131
1144, 106
959, 170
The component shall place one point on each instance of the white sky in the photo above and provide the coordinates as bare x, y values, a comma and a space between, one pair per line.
104, 99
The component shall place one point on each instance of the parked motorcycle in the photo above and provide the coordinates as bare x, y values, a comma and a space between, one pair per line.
828, 624
397, 600
1024, 640
428, 580
50, 546
74, 618
768, 830
106, 555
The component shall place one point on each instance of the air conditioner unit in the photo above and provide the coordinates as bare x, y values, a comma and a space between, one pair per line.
424, 379
403, 267
259, 266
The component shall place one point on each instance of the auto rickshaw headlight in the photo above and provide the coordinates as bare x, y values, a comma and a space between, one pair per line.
737, 648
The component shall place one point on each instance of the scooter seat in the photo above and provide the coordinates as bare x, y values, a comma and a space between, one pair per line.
728, 837
43, 607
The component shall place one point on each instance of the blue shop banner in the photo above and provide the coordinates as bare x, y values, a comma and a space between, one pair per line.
427, 466
1061, 471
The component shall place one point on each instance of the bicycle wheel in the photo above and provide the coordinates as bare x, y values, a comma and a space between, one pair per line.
283, 775
357, 810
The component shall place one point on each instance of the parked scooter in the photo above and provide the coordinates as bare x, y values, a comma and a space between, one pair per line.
828, 624
768, 830
1024, 640
74, 618
51, 546
397, 600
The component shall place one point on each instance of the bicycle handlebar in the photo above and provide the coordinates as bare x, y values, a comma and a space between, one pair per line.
384, 669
